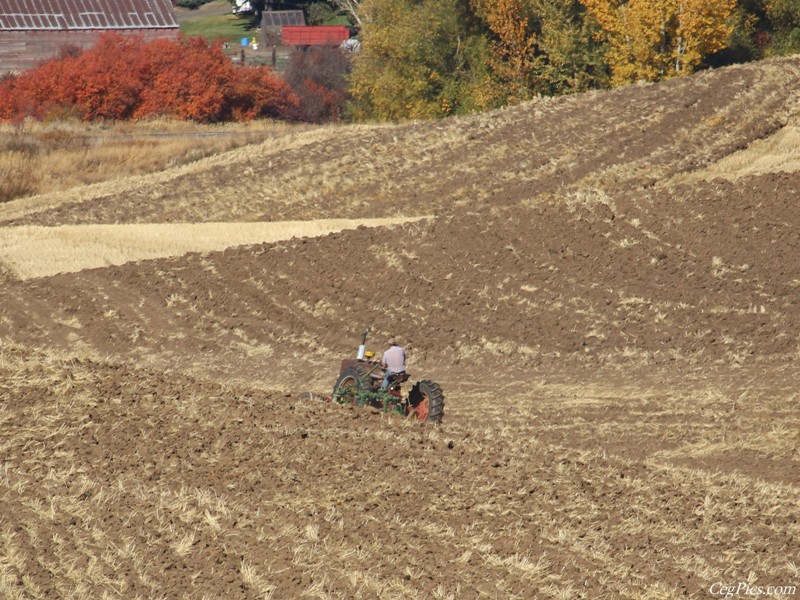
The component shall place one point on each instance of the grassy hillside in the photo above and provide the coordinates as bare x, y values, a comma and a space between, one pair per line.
214, 21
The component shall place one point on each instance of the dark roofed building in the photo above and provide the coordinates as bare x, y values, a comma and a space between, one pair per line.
278, 18
272, 21
34, 30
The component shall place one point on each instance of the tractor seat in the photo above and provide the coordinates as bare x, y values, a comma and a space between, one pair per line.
400, 377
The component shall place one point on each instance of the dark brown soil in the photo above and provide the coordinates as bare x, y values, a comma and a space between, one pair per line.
618, 352
690, 276
569, 494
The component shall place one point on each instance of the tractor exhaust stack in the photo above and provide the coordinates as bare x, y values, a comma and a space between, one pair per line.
363, 347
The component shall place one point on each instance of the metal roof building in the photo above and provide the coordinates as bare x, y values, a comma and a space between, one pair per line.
34, 30
273, 20
279, 18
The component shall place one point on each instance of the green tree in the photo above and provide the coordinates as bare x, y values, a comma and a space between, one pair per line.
352, 8
783, 26
418, 59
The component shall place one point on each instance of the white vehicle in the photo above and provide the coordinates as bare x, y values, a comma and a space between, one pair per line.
242, 6
351, 45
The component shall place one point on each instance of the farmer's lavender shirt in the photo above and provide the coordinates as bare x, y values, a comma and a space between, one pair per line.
395, 359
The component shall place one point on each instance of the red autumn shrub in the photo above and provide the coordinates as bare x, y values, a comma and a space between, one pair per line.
109, 79
26, 95
258, 92
192, 81
124, 76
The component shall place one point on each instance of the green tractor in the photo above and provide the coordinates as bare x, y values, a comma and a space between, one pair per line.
359, 384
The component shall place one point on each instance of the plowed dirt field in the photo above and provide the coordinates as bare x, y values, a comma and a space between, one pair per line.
605, 290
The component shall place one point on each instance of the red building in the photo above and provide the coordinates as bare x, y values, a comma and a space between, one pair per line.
34, 30
311, 35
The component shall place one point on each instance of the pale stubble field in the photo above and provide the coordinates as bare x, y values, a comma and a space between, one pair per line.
614, 325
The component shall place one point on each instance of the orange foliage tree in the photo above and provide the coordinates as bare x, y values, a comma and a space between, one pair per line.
125, 77
514, 48
537, 47
658, 39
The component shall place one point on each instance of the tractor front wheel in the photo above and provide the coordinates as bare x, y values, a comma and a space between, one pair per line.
426, 402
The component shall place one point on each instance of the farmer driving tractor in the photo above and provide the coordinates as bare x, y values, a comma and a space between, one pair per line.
394, 361
364, 381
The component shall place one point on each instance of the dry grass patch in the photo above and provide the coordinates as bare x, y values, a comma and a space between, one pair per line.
34, 251
19, 175
221, 178
57, 156
777, 153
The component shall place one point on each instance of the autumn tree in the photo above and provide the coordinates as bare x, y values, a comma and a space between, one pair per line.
515, 55
427, 58
318, 75
658, 39
538, 47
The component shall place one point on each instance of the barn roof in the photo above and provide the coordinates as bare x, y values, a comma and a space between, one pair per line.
278, 18
37, 15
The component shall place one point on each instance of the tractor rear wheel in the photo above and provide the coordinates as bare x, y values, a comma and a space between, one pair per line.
348, 385
426, 402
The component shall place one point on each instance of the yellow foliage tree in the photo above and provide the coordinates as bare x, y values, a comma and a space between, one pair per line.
658, 39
